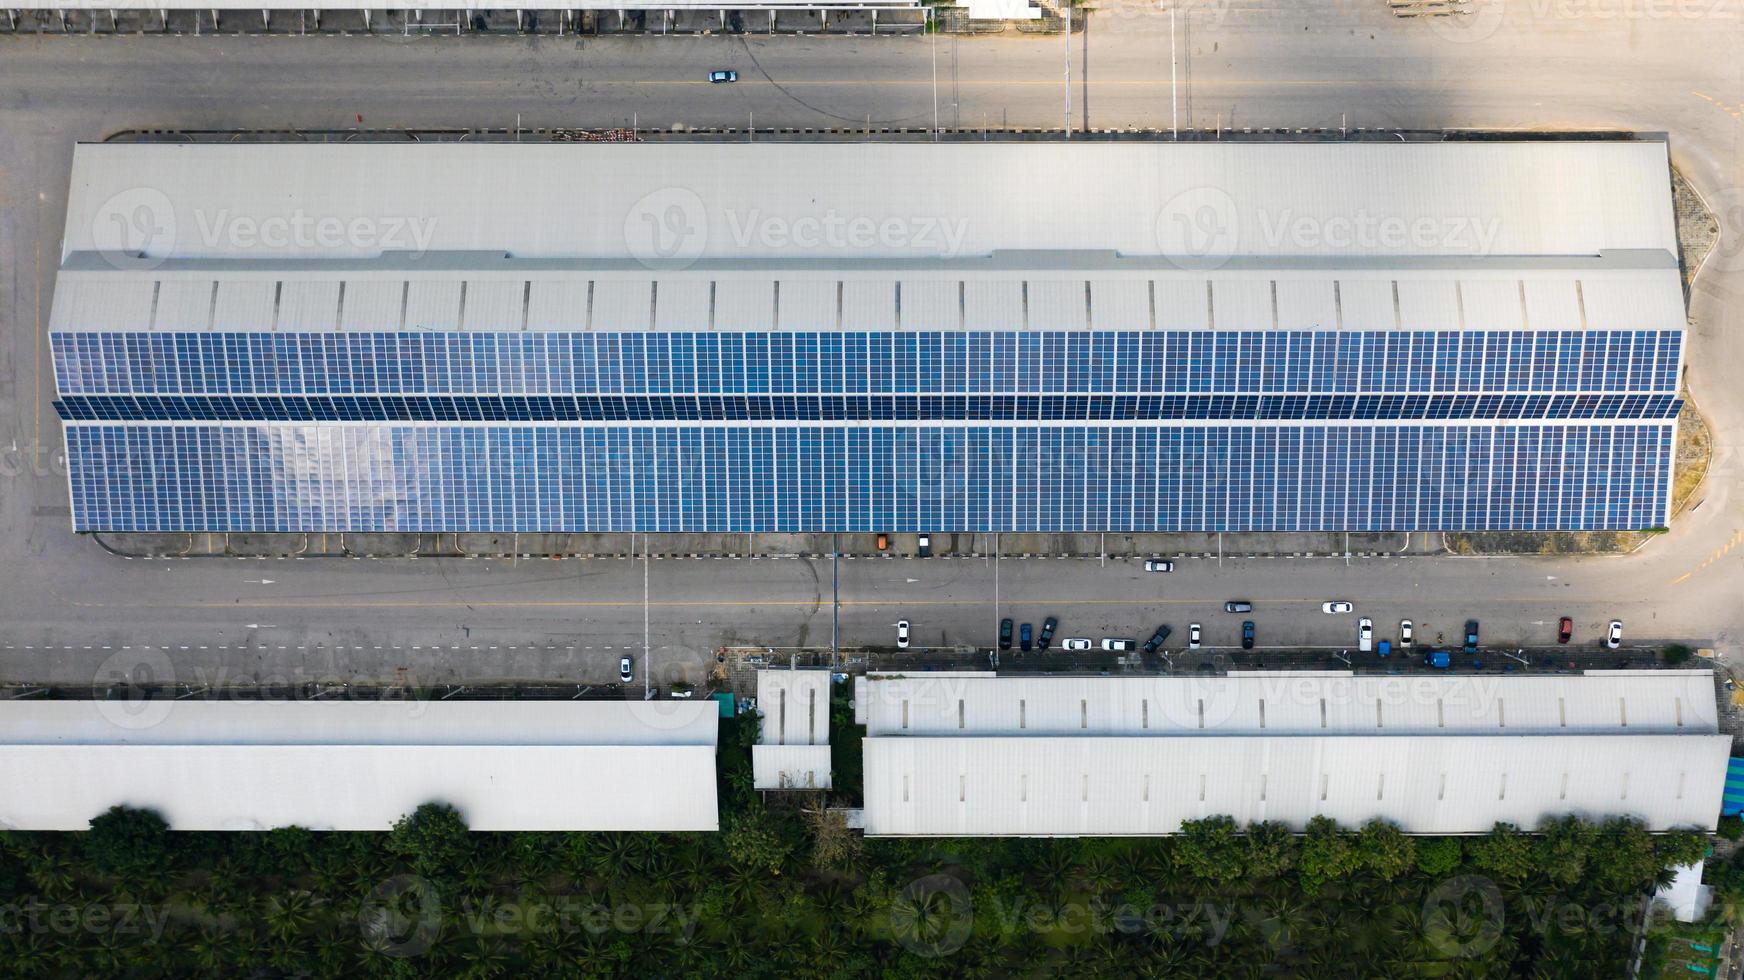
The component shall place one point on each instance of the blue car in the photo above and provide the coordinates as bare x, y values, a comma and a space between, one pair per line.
1024, 638
1438, 659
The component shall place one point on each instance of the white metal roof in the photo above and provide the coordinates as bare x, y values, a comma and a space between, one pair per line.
1426, 784
1285, 702
810, 236
671, 203
790, 766
361, 765
795, 705
1613, 293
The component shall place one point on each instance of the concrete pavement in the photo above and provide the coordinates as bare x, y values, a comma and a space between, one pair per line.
73, 614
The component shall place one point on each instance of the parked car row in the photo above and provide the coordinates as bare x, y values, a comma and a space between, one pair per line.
1028, 639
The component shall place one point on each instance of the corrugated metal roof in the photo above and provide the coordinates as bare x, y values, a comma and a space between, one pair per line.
1673, 702
1544, 198
364, 787
184, 298
790, 766
193, 722
795, 705
1426, 784
574, 765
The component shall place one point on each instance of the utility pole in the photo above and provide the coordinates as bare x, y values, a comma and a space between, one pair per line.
1068, 5
1174, 103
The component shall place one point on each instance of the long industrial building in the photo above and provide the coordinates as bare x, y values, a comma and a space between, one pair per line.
975, 754
869, 337
361, 765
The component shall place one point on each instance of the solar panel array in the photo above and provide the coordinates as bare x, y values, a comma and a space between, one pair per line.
970, 431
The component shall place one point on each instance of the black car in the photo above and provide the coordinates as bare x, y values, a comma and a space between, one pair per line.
1247, 634
1471, 636
1157, 639
1047, 634
1005, 634
1023, 637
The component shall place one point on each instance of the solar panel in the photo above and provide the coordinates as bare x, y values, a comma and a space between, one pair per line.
813, 431
781, 477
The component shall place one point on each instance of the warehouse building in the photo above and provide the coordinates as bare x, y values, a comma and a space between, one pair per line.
361, 765
798, 337
976, 754
793, 741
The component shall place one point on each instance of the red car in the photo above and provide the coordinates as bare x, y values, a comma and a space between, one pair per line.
1564, 630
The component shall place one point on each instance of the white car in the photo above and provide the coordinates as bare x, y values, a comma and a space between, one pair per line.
1365, 634
1076, 643
1158, 565
1118, 645
1404, 634
1336, 606
1614, 638
902, 634
624, 674
1192, 636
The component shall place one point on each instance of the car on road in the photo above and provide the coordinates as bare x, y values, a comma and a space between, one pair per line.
1471, 636
1025, 638
1158, 565
1005, 634
902, 634
923, 545
1047, 634
1118, 644
1247, 634
1192, 636
723, 75
1157, 639
1614, 635
625, 673
1365, 634
1076, 643
1336, 606
1237, 605
1438, 659
1564, 629
1404, 634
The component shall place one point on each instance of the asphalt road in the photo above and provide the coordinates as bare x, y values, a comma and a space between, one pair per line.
70, 614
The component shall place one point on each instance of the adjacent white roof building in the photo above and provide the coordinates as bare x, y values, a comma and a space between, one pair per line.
975, 754
361, 765
793, 750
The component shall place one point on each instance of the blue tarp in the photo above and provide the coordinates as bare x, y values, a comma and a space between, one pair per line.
1732, 804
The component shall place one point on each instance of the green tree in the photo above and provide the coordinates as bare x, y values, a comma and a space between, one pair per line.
1504, 853
1209, 850
1272, 851
431, 838
754, 842
1385, 852
127, 843
1327, 855
1563, 849
1439, 856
